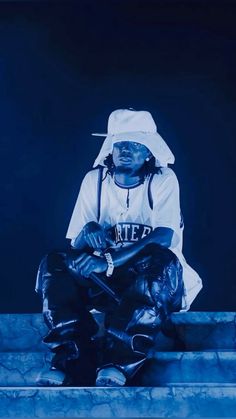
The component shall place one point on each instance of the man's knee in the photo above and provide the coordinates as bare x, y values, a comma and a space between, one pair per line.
166, 272
173, 287
53, 278
55, 261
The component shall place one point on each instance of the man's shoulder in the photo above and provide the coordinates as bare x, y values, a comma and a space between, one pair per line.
93, 173
165, 173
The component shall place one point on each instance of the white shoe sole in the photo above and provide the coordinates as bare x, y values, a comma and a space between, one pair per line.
50, 378
110, 377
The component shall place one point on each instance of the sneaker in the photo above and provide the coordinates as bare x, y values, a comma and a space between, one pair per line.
50, 377
110, 377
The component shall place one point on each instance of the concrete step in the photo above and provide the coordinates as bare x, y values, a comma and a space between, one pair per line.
189, 367
171, 401
189, 331
206, 330
192, 373
21, 369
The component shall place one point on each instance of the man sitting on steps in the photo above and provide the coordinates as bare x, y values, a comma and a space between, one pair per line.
126, 228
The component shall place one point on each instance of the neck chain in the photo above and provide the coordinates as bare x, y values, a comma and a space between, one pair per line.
127, 186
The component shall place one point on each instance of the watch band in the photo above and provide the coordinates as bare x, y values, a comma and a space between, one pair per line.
110, 267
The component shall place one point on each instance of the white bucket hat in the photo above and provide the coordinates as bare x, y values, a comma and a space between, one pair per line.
136, 126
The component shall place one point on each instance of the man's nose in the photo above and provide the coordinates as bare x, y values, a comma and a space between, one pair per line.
126, 147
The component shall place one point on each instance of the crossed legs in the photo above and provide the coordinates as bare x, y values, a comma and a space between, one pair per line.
150, 287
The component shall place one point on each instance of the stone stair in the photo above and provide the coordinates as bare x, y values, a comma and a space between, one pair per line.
191, 373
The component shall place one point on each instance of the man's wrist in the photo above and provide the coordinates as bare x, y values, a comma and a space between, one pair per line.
110, 264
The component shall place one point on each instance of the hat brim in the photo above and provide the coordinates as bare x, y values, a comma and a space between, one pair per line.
153, 141
97, 134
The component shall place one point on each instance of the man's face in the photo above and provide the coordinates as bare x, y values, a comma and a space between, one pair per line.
129, 156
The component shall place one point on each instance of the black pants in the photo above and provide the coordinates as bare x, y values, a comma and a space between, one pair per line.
150, 287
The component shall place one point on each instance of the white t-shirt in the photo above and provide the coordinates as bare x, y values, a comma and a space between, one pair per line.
128, 211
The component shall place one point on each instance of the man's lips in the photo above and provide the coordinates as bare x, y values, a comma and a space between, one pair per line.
125, 159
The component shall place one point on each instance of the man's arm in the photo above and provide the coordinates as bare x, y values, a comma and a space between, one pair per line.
85, 209
161, 236
94, 236
79, 243
85, 264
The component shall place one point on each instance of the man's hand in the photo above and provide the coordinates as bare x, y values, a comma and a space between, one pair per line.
84, 264
95, 236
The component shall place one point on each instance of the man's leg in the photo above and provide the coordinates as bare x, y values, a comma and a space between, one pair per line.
154, 289
70, 323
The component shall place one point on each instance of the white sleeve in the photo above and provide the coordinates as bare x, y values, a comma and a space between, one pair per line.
166, 204
85, 209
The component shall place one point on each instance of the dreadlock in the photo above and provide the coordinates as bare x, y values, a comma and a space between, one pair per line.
148, 168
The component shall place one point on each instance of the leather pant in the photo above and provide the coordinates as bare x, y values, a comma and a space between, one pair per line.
150, 287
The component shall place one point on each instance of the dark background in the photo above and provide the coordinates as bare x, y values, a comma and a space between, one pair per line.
64, 66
